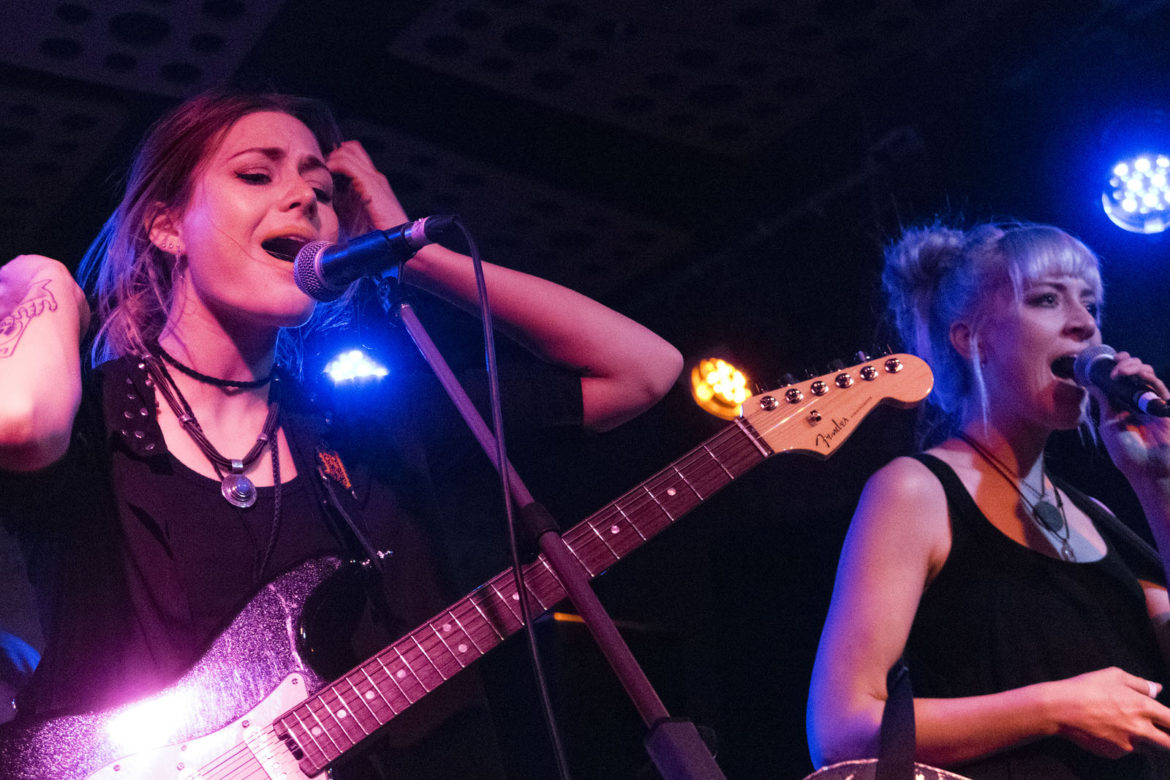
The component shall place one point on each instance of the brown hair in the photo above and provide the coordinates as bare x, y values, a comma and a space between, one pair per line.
131, 280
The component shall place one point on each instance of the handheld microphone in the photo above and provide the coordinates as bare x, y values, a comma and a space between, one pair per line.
323, 270
1091, 369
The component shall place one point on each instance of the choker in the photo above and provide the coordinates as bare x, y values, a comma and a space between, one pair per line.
1049, 517
229, 384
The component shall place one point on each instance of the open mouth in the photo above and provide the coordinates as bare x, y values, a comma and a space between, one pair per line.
1063, 367
283, 248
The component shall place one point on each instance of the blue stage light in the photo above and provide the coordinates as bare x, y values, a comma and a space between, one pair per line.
1136, 193
1137, 197
354, 366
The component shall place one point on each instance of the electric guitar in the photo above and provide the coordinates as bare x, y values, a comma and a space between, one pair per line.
253, 706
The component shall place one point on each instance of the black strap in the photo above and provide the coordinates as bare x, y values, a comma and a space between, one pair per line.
896, 741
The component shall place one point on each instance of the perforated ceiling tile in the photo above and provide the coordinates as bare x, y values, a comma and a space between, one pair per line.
48, 143
166, 48
518, 222
727, 76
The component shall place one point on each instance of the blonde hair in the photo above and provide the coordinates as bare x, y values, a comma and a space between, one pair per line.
938, 275
131, 281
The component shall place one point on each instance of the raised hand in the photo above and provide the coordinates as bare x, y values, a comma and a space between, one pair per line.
373, 189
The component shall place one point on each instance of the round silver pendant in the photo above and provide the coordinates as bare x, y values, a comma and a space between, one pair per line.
238, 490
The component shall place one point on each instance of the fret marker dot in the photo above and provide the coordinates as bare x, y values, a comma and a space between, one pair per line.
613, 529
670, 491
315, 731
446, 628
462, 648
401, 673
341, 714
369, 694
515, 597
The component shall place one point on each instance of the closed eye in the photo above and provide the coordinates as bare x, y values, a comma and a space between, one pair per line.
254, 178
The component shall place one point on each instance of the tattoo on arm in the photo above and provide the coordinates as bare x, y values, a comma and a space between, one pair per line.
12, 327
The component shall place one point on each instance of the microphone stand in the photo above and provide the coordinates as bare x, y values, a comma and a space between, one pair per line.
674, 744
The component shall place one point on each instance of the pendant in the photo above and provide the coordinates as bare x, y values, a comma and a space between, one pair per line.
1066, 551
1048, 516
237, 488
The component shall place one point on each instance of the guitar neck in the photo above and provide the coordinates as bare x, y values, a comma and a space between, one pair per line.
814, 417
327, 725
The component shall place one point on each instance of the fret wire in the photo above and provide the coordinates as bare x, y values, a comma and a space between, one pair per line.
687, 482
556, 581
364, 702
348, 716
623, 542
486, 620
377, 689
309, 734
708, 451
752, 436
604, 541
466, 633
315, 713
495, 606
630, 522
394, 679
660, 505
505, 599
334, 712
410, 669
427, 657
450, 652
584, 565
592, 548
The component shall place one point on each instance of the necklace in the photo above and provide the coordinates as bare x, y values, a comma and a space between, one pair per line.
230, 384
234, 484
1047, 516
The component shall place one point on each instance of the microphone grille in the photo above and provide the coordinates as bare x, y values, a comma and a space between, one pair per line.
307, 275
1083, 365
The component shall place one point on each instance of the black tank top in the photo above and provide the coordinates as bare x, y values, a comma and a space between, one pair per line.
1000, 616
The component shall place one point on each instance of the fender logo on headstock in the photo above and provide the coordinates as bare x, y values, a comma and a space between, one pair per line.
825, 438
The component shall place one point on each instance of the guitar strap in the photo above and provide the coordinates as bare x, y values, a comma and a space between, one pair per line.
333, 488
896, 738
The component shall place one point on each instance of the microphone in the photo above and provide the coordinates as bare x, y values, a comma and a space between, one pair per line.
1091, 369
324, 270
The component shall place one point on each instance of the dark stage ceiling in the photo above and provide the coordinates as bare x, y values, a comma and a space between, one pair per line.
724, 171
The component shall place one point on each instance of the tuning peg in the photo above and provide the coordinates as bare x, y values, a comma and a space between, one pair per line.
836, 365
860, 357
786, 380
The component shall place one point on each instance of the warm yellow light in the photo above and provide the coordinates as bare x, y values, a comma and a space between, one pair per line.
719, 387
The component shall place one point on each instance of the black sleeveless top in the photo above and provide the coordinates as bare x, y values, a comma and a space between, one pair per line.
1000, 616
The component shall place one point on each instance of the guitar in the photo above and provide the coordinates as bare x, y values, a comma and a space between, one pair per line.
252, 706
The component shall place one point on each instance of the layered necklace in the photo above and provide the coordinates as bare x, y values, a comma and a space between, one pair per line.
235, 485
1050, 518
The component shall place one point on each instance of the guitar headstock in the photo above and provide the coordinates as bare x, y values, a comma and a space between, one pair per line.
816, 416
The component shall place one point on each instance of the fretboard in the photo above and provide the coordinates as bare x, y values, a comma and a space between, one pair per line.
371, 695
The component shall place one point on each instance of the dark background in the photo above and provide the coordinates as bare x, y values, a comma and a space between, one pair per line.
724, 172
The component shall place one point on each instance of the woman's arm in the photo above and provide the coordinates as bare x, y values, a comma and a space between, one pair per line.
43, 314
625, 367
899, 539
